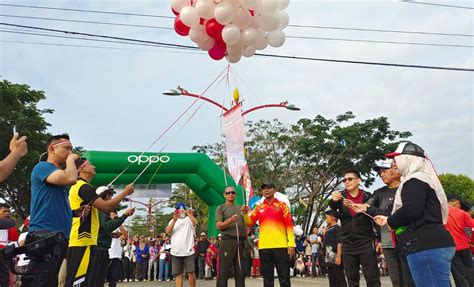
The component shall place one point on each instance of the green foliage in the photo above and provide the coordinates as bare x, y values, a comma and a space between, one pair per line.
138, 225
19, 107
458, 184
307, 160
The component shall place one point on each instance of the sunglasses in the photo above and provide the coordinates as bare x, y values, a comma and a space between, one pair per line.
348, 179
230, 192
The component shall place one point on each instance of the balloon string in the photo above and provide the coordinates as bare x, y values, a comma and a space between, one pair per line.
172, 124
360, 211
175, 136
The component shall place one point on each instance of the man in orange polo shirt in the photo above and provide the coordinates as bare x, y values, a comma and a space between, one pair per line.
276, 244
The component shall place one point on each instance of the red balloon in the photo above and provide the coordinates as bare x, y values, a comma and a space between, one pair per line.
174, 12
180, 28
217, 52
214, 29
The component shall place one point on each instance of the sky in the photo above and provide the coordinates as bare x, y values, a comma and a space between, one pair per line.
111, 99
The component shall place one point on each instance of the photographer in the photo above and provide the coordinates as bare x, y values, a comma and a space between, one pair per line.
18, 148
181, 229
50, 209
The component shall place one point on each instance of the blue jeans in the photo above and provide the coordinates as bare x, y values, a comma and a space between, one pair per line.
431, 267
164, 267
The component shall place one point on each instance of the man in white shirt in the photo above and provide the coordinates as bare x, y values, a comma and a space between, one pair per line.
181, 228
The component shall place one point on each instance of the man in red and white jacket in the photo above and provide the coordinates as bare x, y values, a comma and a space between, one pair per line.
6, 236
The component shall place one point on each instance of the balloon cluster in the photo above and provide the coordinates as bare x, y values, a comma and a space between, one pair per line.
231, 28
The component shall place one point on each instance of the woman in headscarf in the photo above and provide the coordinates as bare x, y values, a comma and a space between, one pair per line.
419, 212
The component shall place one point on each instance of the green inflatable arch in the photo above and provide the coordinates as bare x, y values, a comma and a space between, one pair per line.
196, 170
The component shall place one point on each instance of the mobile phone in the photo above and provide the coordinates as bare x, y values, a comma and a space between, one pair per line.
14, 130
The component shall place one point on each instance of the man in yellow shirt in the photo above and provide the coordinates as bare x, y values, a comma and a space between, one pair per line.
85, 230
276, 244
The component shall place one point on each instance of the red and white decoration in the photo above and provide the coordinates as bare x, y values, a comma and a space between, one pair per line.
231, 28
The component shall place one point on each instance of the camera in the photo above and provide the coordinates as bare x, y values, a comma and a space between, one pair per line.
41, 248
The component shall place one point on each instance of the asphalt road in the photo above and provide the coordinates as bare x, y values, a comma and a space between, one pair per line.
253, 282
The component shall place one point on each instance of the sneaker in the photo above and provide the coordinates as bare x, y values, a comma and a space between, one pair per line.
167, 279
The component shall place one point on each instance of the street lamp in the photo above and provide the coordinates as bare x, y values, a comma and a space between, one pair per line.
182, 92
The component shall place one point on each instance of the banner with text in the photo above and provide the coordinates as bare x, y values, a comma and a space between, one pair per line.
234, 135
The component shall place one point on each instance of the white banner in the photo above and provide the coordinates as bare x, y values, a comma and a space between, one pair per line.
234, 135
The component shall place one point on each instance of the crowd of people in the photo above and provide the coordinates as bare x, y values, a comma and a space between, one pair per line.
422, 236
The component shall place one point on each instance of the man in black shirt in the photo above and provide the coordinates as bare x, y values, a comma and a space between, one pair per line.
201, 249
357, 232
332, 248
382, 203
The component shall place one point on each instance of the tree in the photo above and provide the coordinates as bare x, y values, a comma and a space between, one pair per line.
306, 160
138, 225
326, 148
458, 184
19, 107
182, 193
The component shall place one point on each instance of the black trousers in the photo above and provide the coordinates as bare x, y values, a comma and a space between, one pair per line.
76, 256
113, 272
461, 268
398, 269
275, 258
98, 265
336, 276
4, 274
364, 256
229, 252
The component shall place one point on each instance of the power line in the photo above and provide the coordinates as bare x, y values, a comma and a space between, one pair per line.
436, 4
86, 11
258, 54
378, 41
86, 22
289, 36
380, 30
291, 25
98, 47
88, 39
367, 63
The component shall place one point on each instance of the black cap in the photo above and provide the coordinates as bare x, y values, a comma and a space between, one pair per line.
267, 185
332, 213
466, 206
408, 148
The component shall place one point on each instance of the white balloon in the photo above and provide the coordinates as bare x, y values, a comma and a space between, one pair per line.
189, 16
205, 9
269, 22
249, 36
248, 4
235, 3
224, 13
234, 58
242, 18
276, 38
207, 45
198, 34
231, 34
284, 20
261, 42
177, 5
283, 4
267, 6
255, 21
235, 49
248, 51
